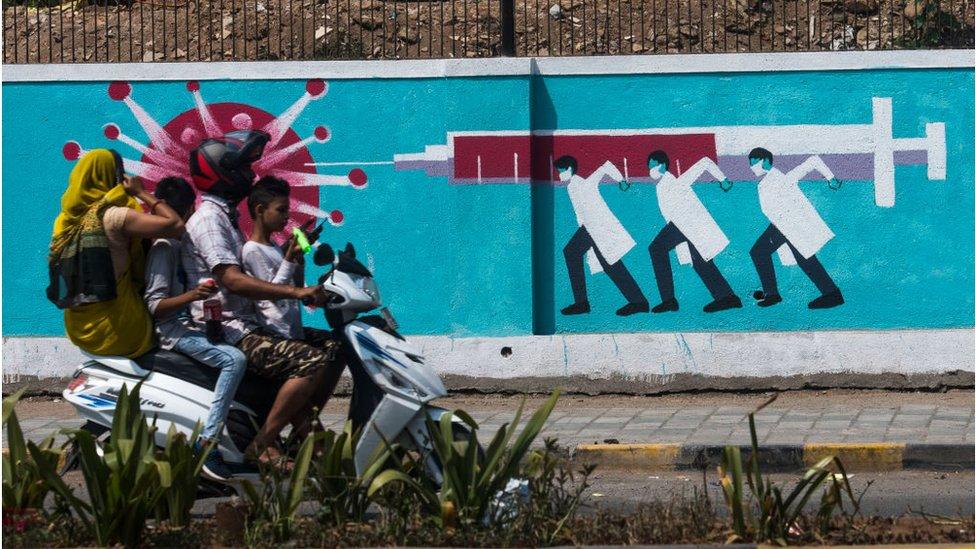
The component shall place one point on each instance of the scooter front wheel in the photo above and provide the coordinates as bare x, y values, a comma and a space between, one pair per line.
72, 457
462, 436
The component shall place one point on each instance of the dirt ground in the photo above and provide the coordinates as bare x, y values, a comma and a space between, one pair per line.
191, 30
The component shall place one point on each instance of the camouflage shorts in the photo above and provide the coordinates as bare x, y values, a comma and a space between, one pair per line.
279, 359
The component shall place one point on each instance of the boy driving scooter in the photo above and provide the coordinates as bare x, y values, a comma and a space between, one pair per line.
269, 206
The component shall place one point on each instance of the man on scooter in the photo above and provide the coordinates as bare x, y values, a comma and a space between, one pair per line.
221, 170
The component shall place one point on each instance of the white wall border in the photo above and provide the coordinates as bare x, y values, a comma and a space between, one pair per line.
499, 66
636, 356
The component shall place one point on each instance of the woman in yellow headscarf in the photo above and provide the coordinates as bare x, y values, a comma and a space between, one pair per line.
97, 257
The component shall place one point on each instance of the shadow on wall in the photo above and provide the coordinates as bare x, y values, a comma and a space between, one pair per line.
543, 218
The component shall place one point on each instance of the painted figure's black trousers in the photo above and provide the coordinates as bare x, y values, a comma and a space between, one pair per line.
762, 257
575, 253
668, 239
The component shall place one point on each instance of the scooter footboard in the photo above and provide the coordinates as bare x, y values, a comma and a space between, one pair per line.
384, 427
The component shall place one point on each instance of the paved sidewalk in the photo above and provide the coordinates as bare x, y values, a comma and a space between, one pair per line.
802, 417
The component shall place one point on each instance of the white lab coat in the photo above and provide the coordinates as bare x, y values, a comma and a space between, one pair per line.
680, 205
592, 212
790, 211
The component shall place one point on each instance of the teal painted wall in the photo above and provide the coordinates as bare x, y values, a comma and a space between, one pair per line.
486, 260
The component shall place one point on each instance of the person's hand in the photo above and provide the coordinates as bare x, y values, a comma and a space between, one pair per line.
311, 295
725, 184
202, 291
133, 185
293, 252
835, 183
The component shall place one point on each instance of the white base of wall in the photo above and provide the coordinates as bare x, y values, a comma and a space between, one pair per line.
637, 356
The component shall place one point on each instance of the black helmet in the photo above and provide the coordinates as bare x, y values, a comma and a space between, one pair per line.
222, 166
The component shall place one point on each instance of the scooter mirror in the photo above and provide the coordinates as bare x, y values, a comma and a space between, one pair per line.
324, 255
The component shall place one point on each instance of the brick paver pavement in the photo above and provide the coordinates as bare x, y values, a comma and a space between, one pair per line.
901, 417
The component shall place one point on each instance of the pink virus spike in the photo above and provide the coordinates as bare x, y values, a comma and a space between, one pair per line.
298, 179
122, 91
72, 151
308, 209
314, 89
144, 170
320, 135
242, 121
209, 122
113, 132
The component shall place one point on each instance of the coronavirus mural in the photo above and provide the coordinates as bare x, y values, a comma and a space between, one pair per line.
167, 147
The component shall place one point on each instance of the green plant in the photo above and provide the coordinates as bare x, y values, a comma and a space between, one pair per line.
185, 464
471, 479
23, 486
555, 494
773, 517
273, 507
124, 485
344, 495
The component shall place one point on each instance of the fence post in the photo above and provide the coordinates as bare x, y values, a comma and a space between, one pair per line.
508, 28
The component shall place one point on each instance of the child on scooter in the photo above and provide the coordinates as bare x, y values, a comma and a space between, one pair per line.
269, 207
167, 298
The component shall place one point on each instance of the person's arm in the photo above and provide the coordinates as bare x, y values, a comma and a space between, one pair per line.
812, 164
170, 305
292, 269
162, 221
700, 168
607, 169
257, 264
234, 279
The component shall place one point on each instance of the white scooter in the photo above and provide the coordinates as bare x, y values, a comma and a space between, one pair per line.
392, 384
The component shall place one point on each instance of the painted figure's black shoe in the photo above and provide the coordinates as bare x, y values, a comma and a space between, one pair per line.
768, 300
633, 308
723, 303
827, 301
666, 306
577, 308
758, 295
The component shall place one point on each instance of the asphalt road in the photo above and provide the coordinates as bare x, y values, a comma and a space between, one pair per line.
889, 494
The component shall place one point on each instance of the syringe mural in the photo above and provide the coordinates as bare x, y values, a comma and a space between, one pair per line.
287, 155
775, 157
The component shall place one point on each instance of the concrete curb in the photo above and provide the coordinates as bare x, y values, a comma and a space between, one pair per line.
865, 457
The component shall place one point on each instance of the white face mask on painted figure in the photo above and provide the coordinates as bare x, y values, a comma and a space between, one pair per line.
655, 170
565, 175
758, 167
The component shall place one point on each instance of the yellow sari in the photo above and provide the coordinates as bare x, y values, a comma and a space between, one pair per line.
121, 326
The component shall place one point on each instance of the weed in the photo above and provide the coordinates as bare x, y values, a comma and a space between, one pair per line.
124, 485
185, 465
23, 485
774, 518
273, 506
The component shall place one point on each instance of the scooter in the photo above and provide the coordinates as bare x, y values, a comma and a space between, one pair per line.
393, 386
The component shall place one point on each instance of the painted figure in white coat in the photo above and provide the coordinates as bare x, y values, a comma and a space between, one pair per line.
793, 222
687, 222
600, 238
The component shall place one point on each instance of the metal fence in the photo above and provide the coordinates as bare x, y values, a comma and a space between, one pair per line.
48, 31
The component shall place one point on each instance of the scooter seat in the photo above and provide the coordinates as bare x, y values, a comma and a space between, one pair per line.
255, 392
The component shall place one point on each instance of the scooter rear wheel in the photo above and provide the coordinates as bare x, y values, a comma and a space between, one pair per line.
71, 457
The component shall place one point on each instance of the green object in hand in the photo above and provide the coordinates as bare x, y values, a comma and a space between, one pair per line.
301, 239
